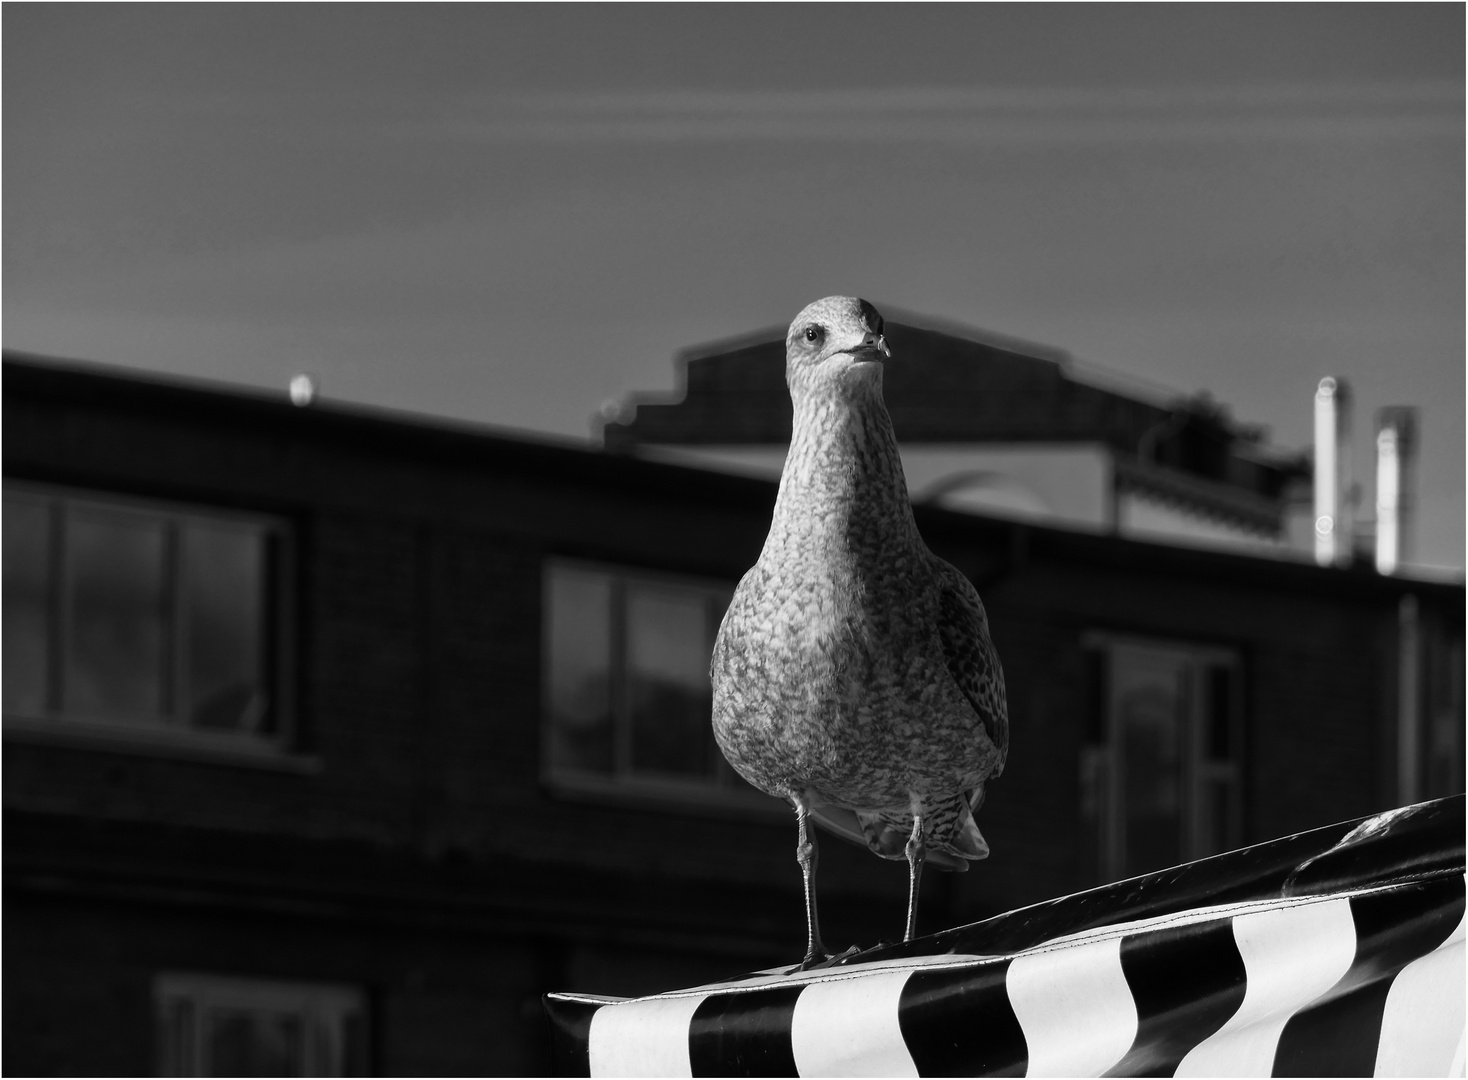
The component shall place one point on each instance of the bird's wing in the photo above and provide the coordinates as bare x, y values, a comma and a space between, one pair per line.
964, 630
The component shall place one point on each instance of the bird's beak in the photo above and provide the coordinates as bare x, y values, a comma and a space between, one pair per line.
873, 347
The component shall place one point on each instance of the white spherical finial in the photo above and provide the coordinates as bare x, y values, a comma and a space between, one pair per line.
303, 390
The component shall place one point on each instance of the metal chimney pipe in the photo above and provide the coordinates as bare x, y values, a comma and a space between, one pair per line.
1333, 524
1396, 459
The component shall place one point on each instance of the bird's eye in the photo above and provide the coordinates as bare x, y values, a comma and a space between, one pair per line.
814, 333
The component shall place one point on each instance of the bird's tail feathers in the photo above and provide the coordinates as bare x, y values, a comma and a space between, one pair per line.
976, 796
967, 841
887, 838
954, 839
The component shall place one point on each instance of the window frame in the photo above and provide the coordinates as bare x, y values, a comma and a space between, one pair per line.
165, 734
1102, 783
322, 1007
622, 784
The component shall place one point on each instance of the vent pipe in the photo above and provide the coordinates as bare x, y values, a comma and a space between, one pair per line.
1396, 460
1333, 525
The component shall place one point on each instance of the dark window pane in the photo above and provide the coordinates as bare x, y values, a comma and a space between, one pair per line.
1445, 719
118, 614
354, 1045
1095, 813
1220, 714
579, 641
176, 1048
224, 595
27, 589
1216, 811
667, 669
1096, 691
1150, 699
249, 1043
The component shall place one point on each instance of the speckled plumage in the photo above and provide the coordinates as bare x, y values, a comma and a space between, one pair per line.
853, 670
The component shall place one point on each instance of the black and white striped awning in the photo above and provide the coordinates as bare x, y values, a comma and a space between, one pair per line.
1337, 952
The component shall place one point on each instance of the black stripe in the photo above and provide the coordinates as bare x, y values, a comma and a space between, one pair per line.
1339, 1036
1186, 982
570, 1035
744, 1034
1335, 1038
959, 1022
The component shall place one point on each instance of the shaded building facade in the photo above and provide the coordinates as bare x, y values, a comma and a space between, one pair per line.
334, 738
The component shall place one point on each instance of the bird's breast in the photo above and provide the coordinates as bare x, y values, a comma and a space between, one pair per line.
822, 644
818, 619
820, 685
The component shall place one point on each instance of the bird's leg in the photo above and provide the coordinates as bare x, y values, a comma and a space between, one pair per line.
916, 851
805, 854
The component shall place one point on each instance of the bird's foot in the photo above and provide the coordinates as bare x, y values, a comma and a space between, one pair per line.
812, 961
822, 959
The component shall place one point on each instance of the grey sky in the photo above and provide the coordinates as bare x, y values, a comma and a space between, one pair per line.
510, 213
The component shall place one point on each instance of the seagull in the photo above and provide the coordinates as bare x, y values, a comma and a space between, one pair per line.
853, 673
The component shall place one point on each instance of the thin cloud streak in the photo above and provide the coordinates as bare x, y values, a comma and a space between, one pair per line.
931, 115
1436, 95
959, 115
1433, 94
928, 131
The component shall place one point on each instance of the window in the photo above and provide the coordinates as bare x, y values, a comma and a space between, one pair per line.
1161, 772
1443, 671
140, 617
219, 1026
627, 696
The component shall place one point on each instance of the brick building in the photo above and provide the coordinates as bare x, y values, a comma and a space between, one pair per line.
333, 738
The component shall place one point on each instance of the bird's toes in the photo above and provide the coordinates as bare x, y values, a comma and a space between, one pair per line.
820, 960
813, 959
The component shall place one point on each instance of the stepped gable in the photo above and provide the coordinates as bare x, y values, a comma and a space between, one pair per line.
939, 388
944, 388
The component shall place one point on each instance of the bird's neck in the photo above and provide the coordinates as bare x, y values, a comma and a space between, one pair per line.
843, 472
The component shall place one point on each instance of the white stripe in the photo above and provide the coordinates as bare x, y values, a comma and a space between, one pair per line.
642, 1038
850, 1028
1422, 1023
1291, 956
1074, 1007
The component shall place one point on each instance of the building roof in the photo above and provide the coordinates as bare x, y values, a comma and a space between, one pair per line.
946, 388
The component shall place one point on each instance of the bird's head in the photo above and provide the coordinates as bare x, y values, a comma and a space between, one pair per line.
835, 344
